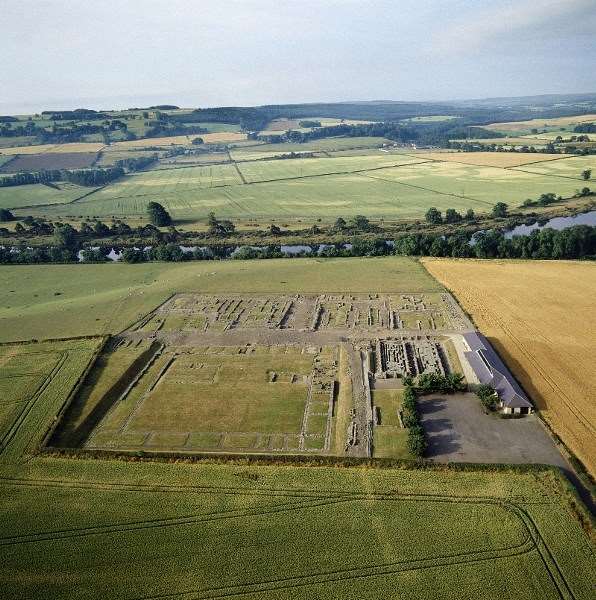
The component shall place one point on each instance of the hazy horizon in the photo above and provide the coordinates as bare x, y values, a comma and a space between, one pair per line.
61, 55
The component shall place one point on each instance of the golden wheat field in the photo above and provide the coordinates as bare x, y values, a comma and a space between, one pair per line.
491, 159
540, 317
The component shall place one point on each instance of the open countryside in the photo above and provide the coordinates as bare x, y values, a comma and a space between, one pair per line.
295, 391
264, 336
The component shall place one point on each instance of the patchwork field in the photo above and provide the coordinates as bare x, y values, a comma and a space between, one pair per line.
340, 180
539, 315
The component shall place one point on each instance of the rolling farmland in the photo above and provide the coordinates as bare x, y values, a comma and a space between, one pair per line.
379, 184
539, 315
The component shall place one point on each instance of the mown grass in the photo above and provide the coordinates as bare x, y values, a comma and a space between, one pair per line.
390, 438
49, 301
202, 392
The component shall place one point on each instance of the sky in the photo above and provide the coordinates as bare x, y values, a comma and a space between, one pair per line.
64, 54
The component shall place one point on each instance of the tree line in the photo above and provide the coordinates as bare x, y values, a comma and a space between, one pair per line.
86, 177
575, 242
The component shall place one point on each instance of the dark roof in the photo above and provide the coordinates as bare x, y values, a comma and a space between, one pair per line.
491, 370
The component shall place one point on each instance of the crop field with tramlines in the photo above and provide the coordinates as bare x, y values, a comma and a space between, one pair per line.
540, 316
146, 530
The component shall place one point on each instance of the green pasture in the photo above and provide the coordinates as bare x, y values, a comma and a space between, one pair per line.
271, 170
19, 196
566, 167
49, 301
483, 185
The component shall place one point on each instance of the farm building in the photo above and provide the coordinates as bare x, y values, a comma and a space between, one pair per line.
490, 370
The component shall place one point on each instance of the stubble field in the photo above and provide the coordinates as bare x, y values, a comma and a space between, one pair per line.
540, 316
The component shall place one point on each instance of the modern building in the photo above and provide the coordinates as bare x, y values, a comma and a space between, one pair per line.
490, 370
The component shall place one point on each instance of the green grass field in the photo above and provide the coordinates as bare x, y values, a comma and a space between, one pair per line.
570, 167
390, 438
49, 301
486, 185
38, 194
190, 399
271, 170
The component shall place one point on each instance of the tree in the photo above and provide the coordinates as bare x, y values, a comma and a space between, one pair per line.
500, 209
487, 395
452, 216
133, 255
65, 236
361, 223
274, 229
340, 224
433, 215
470, 216
586, 174
158, 215
5, 215
417, 443
217, 227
